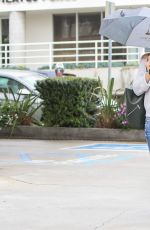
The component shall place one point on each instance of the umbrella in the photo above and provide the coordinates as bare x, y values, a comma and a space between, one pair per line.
129, 27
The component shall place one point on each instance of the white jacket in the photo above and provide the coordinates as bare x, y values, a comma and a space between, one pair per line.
140, 86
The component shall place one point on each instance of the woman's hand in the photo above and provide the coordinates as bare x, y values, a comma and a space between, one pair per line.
147, 75
148, 64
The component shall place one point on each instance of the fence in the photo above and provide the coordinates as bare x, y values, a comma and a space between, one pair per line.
72, 53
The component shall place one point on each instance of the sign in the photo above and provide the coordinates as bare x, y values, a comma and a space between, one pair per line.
19, 1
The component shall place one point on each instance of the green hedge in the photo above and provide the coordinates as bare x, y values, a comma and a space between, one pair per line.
66, 102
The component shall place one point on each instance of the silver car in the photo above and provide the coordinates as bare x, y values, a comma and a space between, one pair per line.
21, 82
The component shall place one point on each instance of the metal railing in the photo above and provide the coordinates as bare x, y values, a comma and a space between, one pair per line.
92, 53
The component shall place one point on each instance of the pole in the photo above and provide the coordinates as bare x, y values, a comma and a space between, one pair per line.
109, 8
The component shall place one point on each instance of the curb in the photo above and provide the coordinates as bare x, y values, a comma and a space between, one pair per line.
63, 133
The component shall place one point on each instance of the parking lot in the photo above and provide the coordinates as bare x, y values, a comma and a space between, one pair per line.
74, 185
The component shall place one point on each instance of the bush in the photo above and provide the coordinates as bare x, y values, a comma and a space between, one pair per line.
112, 110
106, 103
18, 112
66, 102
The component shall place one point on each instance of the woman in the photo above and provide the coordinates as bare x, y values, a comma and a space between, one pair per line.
141, 84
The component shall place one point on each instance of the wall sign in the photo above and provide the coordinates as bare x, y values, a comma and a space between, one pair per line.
19, 1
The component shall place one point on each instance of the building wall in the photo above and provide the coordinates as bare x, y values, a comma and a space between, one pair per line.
123, 75
39, 19
39, 27
48, 4
24, 5
0, 32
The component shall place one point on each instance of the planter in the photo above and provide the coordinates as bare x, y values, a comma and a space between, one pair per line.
60, 133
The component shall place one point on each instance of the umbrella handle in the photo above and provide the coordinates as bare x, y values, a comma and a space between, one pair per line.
122, 14
148, 31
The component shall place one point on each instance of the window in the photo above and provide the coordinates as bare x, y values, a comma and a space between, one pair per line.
3, 83
64, 30
64, 27
5, 40
10, 85
88, 30
5, 31
89, 25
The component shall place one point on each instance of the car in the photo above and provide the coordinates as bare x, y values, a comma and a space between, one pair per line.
46, 72
21, 83
52, 73
19, 79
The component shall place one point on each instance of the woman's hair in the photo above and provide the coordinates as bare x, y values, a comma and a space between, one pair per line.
144, 56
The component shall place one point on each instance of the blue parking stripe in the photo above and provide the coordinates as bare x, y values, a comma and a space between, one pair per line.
113, 146
25, 157
90, 162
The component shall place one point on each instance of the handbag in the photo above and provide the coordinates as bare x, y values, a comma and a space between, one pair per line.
135, 111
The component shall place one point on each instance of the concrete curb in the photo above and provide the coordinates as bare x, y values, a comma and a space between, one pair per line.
60, 133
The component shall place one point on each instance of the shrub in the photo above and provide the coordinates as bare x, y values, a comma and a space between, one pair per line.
66, 102
112, 111
18, 112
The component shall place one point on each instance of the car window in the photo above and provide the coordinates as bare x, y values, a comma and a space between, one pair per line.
3, 82
9, 84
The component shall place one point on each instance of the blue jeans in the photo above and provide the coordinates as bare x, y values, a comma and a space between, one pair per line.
147, 131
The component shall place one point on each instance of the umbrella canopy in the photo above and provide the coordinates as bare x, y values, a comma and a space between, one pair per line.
129, 27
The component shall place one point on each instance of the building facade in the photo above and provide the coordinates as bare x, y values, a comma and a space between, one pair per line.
43, 32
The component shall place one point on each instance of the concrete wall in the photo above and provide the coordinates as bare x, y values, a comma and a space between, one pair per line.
50, 4
62, 133
17, 36
39, 27
123, 75
25, 5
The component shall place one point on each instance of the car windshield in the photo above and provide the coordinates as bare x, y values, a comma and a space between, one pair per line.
32, 79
